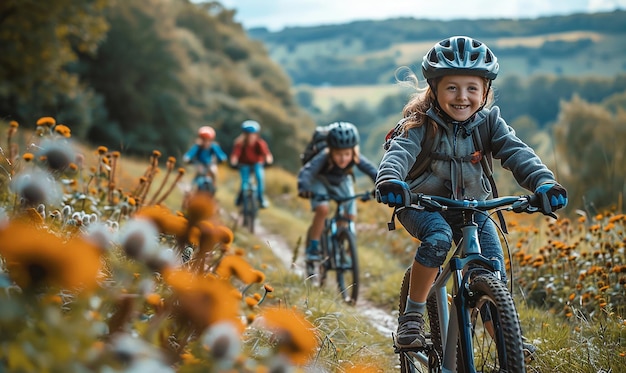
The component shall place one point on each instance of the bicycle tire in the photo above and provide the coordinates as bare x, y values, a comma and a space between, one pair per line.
431, 327
317, 270
249, 210
205, 184
489, 298
347, 265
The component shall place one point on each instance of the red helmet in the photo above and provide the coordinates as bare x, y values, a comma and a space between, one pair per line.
206, 132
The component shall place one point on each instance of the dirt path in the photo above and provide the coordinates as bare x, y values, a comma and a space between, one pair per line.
380, 319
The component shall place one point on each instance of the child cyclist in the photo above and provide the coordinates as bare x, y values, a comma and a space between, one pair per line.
330, 173
459, 71
204, 154
250, 153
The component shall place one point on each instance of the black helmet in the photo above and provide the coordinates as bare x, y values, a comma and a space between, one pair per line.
460, 55
342, 135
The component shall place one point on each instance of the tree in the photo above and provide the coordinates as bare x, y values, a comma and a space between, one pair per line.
590, 153
38, 40
38, 45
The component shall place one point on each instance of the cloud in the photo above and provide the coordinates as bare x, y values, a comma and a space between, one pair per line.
277, 14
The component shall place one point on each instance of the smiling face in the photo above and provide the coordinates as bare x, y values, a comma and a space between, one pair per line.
460, 96
342, 157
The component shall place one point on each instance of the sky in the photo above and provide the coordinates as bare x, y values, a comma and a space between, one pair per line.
278, 14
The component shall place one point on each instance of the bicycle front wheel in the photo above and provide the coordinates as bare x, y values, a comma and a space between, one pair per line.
409, 363
496, 337
249, 210
347, 265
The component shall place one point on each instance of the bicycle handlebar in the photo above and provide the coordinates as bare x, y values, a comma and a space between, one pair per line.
523, 203
364, 196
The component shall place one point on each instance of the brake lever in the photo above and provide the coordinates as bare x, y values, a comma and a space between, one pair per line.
430, 205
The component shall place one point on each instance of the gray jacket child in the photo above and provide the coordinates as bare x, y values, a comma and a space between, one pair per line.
459, 178
319, 166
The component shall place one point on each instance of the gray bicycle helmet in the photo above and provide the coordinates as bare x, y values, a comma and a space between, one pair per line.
460, 55
343, 135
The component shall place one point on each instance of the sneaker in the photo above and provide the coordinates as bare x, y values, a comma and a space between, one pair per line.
529, 351
411, 331
313, 254
264, 203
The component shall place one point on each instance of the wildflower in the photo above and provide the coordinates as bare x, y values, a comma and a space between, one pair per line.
154, 300
101, 150
36, 257
204, 300
46, 121
139, 239
201, 206
251, 302
235, 265
28, 157
62, 130
100, 235
58, 155
294, 334
223, 340
165, 221
35, 188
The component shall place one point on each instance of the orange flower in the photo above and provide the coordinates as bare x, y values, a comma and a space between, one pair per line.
200, 207
62, 130
36, 257
166, 222
294, 334
235, 265
46, 121
204, 300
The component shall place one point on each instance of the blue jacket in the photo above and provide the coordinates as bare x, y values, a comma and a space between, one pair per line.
197, 154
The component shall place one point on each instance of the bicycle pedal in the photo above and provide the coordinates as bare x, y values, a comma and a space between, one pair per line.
426, 347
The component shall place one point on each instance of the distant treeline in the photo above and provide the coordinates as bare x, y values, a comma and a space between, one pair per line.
383, 33
367, 52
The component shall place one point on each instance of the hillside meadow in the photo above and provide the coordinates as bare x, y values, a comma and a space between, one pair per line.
100, 280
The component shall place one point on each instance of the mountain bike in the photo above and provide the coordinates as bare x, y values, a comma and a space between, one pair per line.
476, 328
249, 205
204, 183
338, 249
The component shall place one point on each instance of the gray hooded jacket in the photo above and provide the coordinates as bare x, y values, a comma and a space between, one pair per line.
319, 166
462, 179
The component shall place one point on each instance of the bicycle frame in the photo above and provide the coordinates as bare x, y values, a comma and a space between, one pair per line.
339, 248
457, 268
465, 262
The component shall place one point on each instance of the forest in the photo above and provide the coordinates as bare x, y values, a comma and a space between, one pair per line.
136, 78
111, 261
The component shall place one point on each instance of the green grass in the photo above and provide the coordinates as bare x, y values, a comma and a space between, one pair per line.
570, 283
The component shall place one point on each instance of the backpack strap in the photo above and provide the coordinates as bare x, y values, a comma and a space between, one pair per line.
482, 136
423, 159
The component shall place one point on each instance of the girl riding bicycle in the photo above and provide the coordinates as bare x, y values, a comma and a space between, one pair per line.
204, 153
250, 153
330, 173
459, 71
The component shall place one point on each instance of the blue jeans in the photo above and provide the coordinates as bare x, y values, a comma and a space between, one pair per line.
437, 230
259, 174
